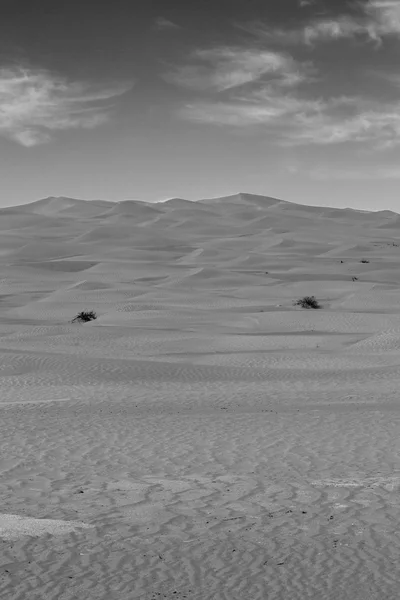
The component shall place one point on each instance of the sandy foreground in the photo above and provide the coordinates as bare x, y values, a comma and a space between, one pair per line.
203, 438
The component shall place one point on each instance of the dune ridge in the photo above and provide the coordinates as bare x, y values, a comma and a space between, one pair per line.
203, 438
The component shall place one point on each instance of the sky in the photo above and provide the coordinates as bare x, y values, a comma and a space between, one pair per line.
154, 99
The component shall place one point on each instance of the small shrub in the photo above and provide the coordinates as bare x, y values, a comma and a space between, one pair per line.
308, 302
364, 261
354, 278
84, 316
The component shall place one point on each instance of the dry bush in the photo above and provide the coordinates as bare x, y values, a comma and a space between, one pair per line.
84, 316
308, 302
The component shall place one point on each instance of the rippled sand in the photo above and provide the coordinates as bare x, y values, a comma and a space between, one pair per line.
203, 438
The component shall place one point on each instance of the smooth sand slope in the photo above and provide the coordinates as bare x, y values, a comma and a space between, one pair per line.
203, 438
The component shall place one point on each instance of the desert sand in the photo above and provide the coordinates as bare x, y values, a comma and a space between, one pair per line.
204, 438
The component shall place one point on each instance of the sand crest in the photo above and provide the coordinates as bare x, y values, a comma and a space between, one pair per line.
13, 527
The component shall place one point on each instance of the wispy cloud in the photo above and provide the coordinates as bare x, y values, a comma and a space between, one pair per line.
34, 104
378, 125
270, 90
264, 107
224, 68
371, 173
304, 3
291, 120
163, 24
374, 21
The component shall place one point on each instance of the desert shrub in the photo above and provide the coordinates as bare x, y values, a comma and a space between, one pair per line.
308, 302
85, 316
364, 261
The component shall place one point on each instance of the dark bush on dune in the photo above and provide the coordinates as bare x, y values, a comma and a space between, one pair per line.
84, 316
308, 302
364, 261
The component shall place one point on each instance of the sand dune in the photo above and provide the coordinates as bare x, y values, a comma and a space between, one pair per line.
204, 438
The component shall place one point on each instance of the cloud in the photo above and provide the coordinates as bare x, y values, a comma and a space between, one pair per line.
376, 20
260, 88
343, 27
264, 107
269, 90
224, 68
371, 173
378, 125
163, 24
294, 120
34, 104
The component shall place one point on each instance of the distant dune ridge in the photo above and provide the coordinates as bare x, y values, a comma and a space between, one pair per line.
204, 437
